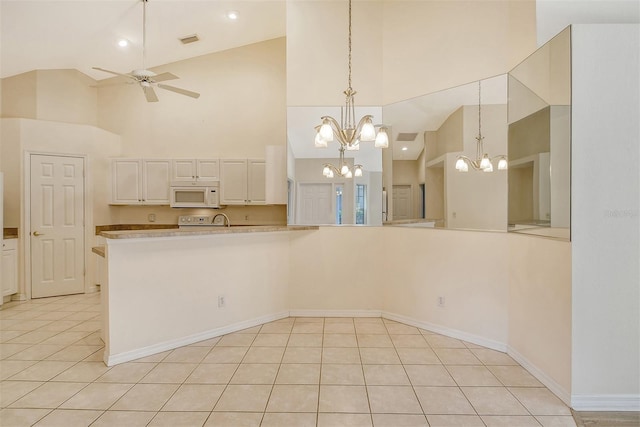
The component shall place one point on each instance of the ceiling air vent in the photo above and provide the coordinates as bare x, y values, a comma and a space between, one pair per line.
189, 39
406, 137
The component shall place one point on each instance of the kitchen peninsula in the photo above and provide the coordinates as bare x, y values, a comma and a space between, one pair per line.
167, 288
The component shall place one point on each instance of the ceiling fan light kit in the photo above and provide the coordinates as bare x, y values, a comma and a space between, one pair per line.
147, 79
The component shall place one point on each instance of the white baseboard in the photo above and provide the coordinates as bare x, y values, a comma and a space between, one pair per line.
453, 333
606, 402
335, 313
127, 356
19, 297
92, 289
545, 379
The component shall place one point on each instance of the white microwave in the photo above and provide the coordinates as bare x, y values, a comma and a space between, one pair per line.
199, 195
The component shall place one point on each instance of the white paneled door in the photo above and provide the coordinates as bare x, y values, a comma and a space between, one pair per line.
315, 204
402, 202
57, 225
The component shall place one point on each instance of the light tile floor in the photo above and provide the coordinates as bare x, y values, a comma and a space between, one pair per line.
293, 372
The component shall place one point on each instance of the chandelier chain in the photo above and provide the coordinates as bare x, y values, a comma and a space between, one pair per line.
479, 112
349, 45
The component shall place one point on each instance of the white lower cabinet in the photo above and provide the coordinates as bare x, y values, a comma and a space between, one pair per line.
140, 182
242, 182
9, 267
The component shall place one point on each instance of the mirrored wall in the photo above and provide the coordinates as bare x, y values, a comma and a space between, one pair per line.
429, 133
540, 141
315, 199
415, 181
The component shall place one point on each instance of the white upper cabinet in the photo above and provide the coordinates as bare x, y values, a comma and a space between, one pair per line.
194, 170
256, 187
126, 175
242, 182
140, 182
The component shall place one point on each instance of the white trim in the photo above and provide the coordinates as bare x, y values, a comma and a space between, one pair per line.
453, 333
606, 402
335, 313
127, 356
541, 376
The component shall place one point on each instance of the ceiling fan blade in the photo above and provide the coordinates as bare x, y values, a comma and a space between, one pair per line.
113, 72
180, 91
164, 76
150, 94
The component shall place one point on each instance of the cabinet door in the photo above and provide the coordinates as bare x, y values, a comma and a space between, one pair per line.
126, 175
233, 183
183, 170
9, 267
155, 182
256, 182
208, 170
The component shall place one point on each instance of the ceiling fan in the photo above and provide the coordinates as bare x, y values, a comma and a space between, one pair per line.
147, 79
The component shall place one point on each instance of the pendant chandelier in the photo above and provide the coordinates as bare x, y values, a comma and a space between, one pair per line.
346, 132
482, 162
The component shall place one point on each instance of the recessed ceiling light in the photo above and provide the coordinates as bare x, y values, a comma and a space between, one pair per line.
123, 42
232, 14
404, 148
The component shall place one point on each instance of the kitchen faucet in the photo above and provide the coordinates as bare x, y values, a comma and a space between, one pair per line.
227, 222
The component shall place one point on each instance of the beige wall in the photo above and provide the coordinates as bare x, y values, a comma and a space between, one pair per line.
402, 49
241, 108
317, 52
450, 135
540, 307
334, 269
249, 269
427, 265
518, 298
19, 96
23, 136
56, 95
430, 45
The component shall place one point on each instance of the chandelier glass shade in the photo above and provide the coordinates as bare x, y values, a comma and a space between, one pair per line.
343, 169
346, 132
482, 161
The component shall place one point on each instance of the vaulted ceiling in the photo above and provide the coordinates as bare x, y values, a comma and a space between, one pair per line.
80, 34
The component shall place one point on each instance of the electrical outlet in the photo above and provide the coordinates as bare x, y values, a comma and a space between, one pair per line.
222, 301
151, 217
440, 301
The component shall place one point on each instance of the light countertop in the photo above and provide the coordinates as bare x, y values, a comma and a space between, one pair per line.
202, 231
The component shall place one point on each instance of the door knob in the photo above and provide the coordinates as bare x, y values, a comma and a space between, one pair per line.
35, 233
